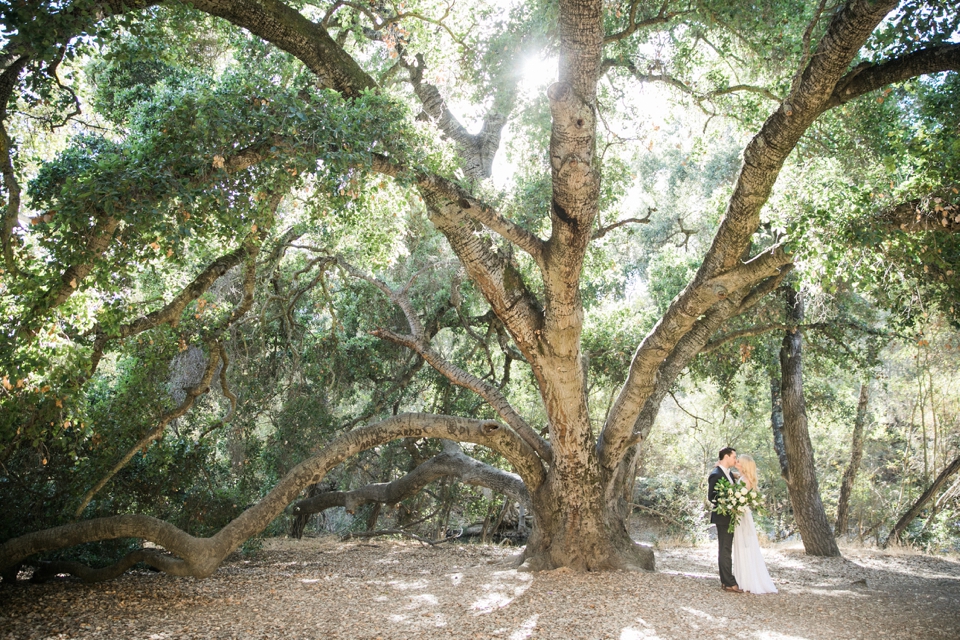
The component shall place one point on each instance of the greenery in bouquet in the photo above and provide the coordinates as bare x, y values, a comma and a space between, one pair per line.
734, 499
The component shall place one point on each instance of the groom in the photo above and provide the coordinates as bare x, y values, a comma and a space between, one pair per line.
728, 458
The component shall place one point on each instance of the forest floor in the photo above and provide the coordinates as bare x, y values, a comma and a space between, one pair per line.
321, 588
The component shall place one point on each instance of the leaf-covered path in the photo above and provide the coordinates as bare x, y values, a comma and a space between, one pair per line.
325, 589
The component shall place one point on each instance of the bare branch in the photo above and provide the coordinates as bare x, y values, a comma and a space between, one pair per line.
485, 215
676, 83
599, 233
452, 462
476, 151
633, 24
291, 31
170, 313
680, 406
484, 389
419, 343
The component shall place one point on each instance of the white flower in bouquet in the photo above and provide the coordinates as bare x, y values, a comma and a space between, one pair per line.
734, 501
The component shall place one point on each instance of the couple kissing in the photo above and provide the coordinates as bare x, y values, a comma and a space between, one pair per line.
742, 568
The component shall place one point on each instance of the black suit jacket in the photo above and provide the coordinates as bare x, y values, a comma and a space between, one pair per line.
715, 517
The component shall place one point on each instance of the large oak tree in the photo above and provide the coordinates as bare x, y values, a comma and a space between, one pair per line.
528, 268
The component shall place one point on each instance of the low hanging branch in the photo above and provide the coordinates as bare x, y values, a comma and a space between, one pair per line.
171, 312
199, 557
452, 462
218, 355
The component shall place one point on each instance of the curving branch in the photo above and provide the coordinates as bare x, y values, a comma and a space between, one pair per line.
634, 23
420, 344
202, 387
98, 239
759, 330
495, 273
490, 393
199, 557
693, 344
171, 312
451, 463
290, 30
484, 214
602, 231
455, 207
866, 77
46, 570
678, 84
219, 361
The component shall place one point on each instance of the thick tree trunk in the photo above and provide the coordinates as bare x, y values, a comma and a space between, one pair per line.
584, 534
802, 484
856, 453
917, 507
776, 422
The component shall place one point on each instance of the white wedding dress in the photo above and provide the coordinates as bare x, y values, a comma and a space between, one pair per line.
748, 566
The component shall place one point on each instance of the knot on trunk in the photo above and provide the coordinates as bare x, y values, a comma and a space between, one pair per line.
559, 92
489, 427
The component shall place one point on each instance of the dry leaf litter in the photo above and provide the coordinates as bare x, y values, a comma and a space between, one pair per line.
384, 589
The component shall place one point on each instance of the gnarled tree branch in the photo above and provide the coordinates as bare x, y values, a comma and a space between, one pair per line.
200, 557
452, 462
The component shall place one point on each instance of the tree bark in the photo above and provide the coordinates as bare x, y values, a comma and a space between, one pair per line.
856, 454
917, 507
802, 483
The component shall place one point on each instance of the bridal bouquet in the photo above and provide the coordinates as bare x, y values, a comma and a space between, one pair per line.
734, 499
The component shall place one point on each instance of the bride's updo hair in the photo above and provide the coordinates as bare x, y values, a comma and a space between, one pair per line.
749, 469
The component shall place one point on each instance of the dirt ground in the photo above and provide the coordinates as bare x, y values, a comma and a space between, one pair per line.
385, 589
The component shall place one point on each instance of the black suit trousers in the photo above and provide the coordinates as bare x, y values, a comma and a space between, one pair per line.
725, 556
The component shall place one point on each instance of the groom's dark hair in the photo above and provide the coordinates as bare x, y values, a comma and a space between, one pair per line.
725, 452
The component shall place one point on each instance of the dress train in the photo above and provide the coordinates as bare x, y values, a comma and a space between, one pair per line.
748, 566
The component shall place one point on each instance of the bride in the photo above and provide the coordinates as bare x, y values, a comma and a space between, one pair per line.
748, 565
